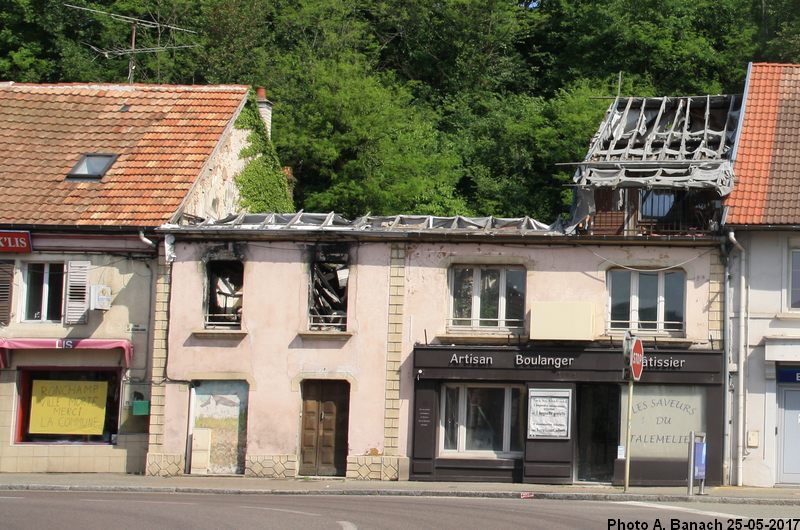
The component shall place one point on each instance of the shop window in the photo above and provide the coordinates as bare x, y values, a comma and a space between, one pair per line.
482, 420
663, 416
649, 301
487, 297
55, 292
68, 406
330, 273
224, 304
794, 288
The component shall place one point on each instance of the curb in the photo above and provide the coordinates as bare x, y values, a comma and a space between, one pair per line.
603, 497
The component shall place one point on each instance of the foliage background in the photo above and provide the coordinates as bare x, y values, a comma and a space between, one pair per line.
414, 106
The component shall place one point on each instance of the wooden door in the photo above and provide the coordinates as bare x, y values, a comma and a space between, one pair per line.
323, 450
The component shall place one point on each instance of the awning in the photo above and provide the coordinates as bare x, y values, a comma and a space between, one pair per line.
64, 344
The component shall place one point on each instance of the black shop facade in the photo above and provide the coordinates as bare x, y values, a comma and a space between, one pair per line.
557, 415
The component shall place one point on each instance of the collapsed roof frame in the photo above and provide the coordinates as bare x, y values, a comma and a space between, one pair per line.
368, 223
664, 142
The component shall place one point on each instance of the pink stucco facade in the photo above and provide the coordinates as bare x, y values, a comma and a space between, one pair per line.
400, 296
274, 352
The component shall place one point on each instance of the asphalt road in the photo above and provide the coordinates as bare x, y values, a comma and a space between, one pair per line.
90, 510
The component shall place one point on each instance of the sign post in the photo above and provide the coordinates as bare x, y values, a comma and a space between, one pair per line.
633, 352
697, 461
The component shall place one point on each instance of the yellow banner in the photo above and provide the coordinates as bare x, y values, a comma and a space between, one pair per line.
68, 407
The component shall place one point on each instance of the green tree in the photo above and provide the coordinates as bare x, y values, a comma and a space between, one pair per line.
358, 143
456, 46
682, 46
779, 30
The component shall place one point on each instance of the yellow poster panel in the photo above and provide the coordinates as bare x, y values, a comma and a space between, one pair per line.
68, 407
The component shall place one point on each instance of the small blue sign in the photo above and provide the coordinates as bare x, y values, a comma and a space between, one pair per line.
789, 375
699, 460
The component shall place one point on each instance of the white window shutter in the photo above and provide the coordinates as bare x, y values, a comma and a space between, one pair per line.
76, 303
6, 290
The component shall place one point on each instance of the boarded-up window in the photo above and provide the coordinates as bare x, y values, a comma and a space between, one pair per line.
6, 291
330, 273
73, 406
77, 299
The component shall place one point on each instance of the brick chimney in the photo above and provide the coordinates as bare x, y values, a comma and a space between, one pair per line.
264, 108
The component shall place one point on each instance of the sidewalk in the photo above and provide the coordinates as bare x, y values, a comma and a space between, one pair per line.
325, 486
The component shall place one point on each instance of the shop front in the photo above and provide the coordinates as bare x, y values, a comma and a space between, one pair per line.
558, 414
68, 406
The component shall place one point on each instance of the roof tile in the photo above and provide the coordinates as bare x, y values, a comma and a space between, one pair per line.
163, 135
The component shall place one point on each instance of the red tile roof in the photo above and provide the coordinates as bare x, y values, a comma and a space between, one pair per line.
163, 135
767, 165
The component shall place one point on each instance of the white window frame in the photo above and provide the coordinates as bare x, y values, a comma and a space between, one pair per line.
45, 291
633, 317
461, 436
475, 318
74, 292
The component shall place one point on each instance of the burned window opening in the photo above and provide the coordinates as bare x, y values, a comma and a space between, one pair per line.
329, 277
224, 305
655, 211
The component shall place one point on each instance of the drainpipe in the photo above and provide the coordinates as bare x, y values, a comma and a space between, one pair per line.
741, 362
144, 240
728, 391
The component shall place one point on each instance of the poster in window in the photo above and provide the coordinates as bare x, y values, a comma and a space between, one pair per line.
68, 407
549, 413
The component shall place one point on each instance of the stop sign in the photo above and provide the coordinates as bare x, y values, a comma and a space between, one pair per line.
637, 359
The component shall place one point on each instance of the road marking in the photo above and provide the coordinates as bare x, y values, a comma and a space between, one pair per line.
347, 525
20, 497
143, 502
686, 510
310, 514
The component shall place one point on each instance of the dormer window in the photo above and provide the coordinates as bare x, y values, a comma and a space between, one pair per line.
92, 166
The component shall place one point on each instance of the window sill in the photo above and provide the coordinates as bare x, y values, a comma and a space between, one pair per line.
234, 334
472, 336
658, 336
325, 335
479, 455
788, 316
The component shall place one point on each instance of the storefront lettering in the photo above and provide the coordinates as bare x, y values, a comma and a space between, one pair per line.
471, 360
669, 362
555, 362
659, 439
15, 242
664, 403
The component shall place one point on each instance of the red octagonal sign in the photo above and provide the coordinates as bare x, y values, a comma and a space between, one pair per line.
637, 359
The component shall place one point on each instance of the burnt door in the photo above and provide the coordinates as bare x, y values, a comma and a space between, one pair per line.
598, 431
323, 449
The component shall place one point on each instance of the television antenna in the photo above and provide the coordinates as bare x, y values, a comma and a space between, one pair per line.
133, 50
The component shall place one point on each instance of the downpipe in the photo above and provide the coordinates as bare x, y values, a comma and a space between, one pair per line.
740, 401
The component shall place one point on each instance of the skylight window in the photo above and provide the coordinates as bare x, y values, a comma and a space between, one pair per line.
92, 165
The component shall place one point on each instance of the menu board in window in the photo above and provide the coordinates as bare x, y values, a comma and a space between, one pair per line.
549, 413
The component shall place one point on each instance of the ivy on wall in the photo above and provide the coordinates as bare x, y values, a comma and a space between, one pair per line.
262, 184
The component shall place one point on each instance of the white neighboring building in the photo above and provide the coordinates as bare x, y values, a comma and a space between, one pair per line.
763, 217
